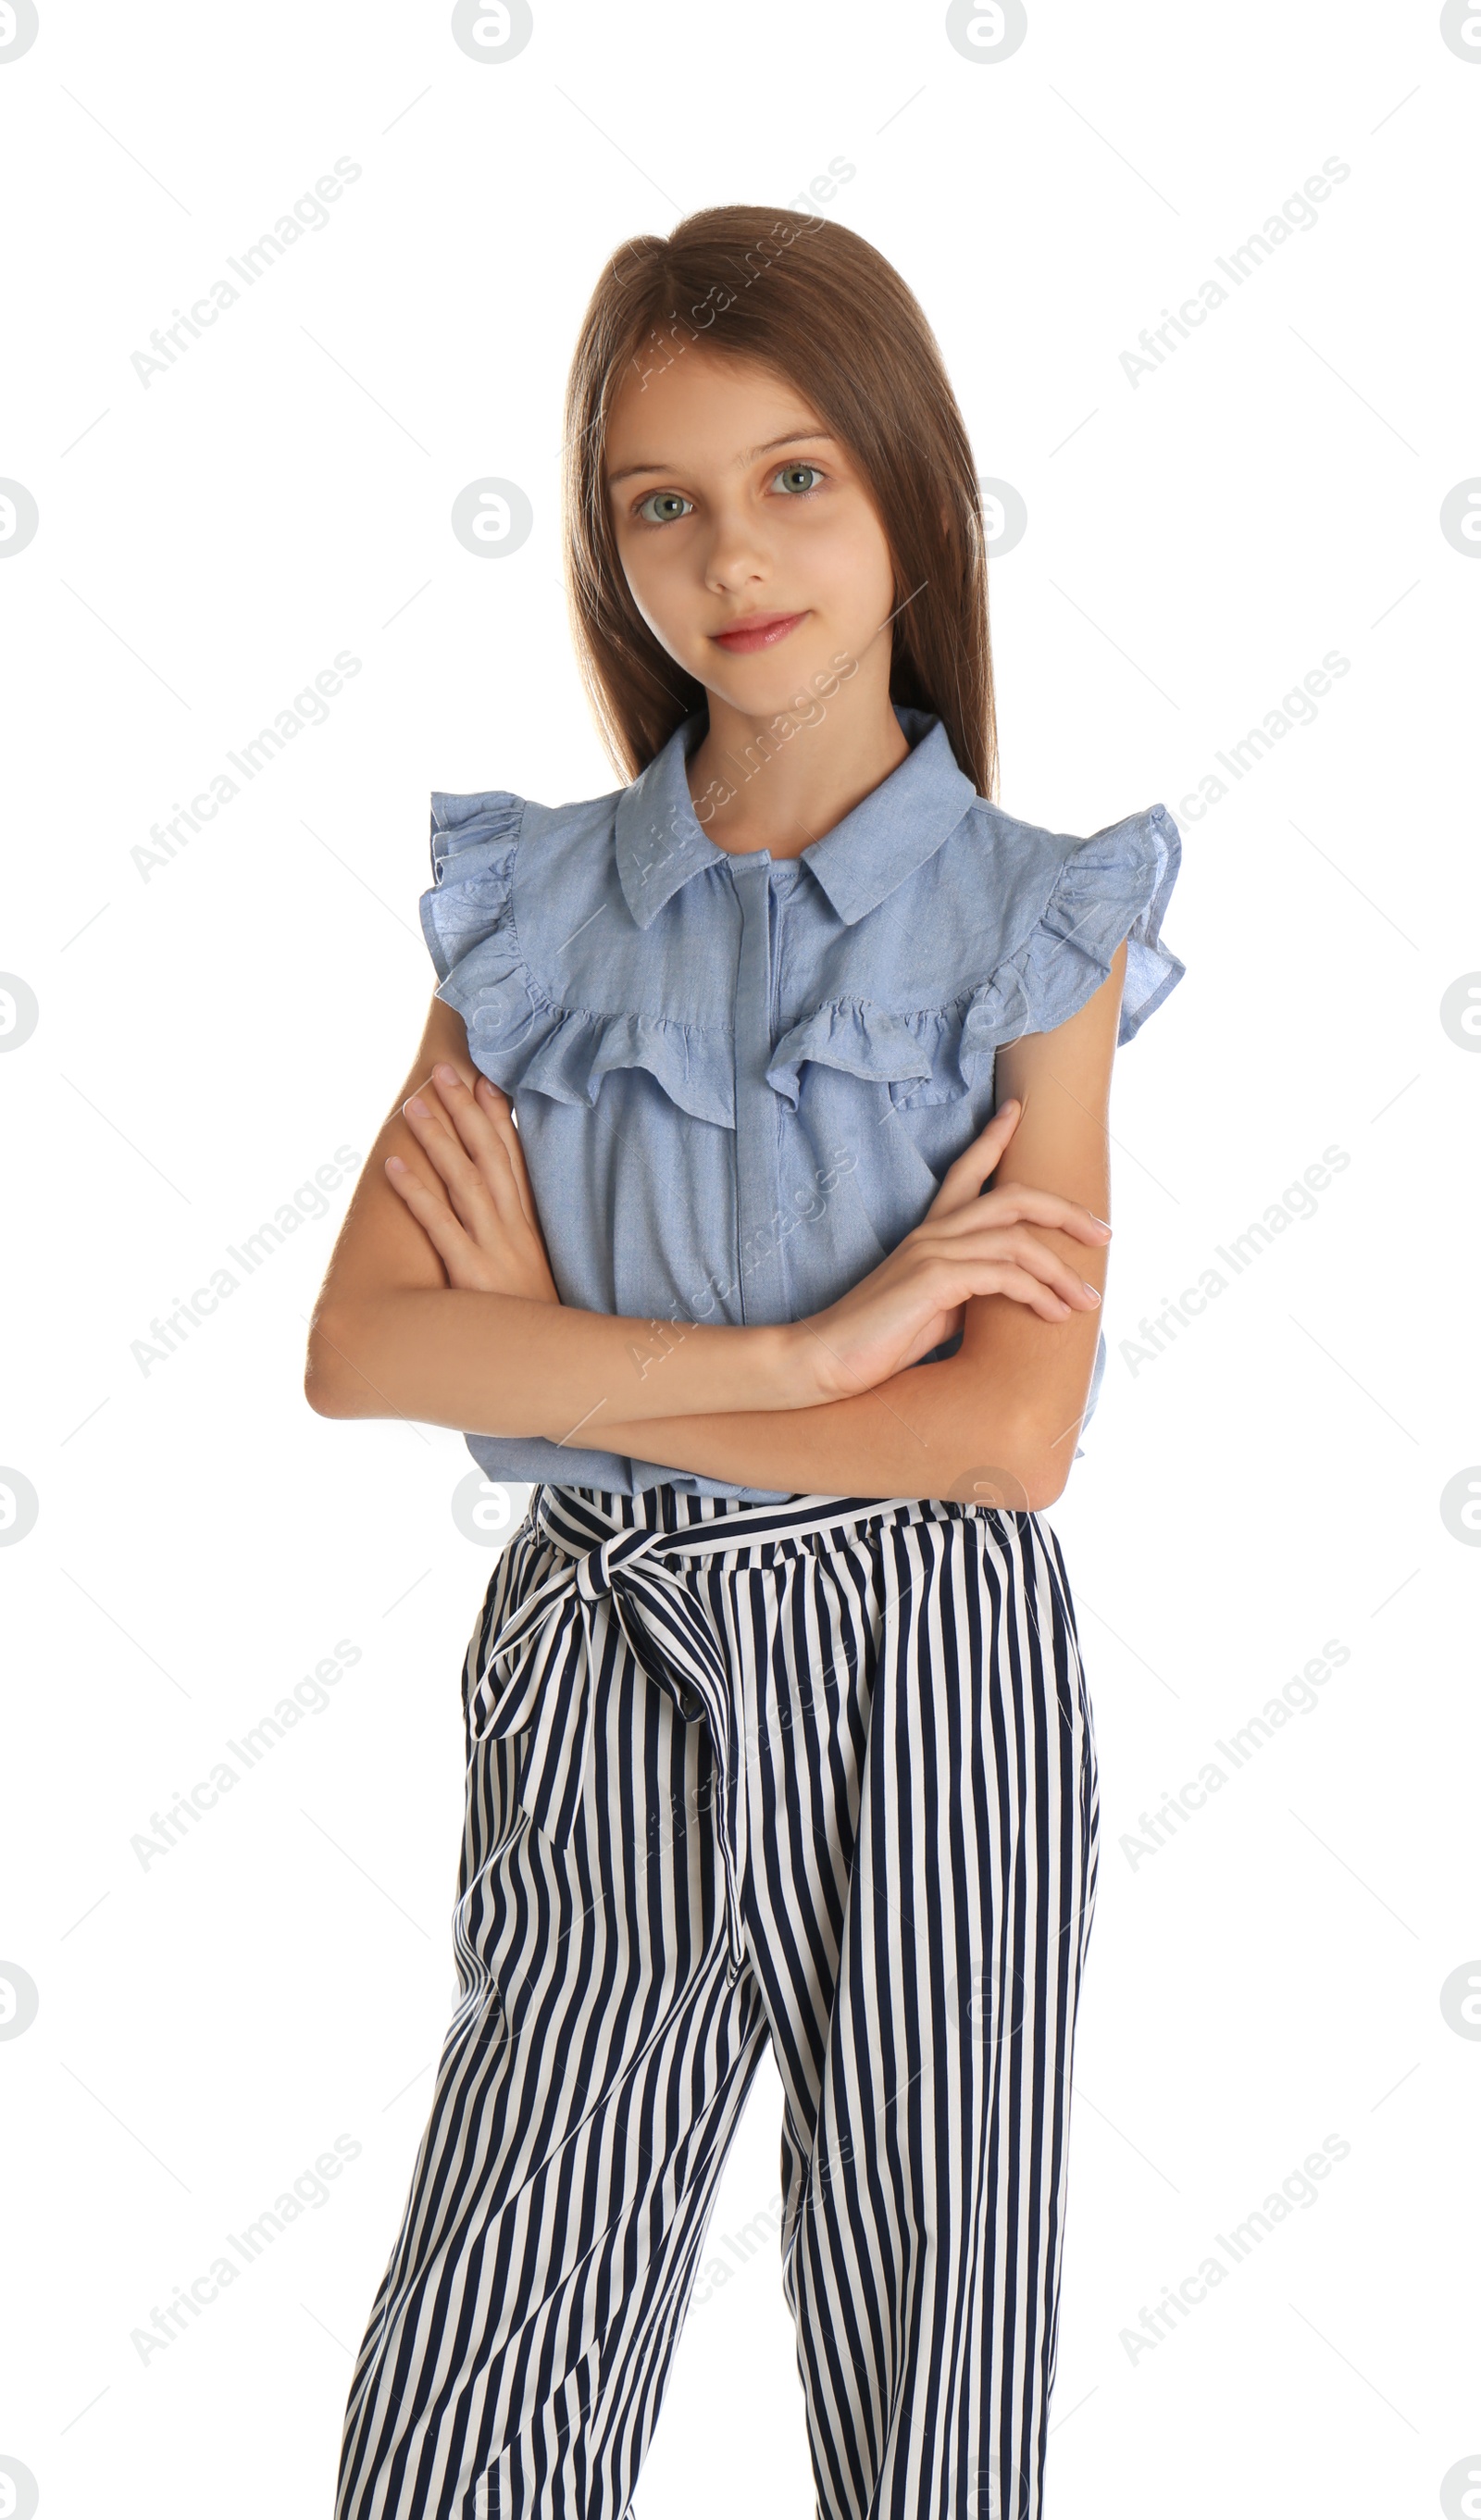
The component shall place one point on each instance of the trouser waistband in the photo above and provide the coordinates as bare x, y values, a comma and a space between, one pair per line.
673, 1521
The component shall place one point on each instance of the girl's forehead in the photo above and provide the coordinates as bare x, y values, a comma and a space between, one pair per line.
730, 408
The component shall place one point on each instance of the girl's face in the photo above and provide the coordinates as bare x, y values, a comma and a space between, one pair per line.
735, 513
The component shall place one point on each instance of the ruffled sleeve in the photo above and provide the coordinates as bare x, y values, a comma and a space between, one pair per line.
473, 840
1060, 938
1113, 885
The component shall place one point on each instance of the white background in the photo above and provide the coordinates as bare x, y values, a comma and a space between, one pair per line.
210, 1032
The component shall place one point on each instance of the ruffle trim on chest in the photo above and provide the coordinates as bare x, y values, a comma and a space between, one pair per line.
516, 1034
1112, 885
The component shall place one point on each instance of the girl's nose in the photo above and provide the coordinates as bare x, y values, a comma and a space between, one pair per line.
737, 556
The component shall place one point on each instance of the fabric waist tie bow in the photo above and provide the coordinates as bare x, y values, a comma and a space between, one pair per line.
536, 1676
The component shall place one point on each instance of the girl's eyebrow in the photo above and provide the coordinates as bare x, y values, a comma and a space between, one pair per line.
794, 438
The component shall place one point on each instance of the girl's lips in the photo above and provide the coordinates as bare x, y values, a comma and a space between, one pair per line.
762, 632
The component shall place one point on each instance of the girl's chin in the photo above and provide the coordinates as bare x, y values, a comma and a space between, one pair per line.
791, 679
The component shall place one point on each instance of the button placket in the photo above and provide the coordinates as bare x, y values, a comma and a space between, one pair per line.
757, 1181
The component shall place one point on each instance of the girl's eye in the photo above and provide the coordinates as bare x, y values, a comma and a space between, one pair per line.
794, 487
670, 504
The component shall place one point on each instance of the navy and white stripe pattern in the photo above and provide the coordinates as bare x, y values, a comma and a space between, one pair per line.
821, 1772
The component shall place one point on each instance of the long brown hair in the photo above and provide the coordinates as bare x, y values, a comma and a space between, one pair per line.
820, 307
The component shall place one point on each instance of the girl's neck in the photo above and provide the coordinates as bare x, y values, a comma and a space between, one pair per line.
782, 782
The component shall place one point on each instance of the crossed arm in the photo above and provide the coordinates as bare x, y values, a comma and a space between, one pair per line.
1002, 1416
391, 1336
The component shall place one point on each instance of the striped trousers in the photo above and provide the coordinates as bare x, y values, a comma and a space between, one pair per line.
820, 1773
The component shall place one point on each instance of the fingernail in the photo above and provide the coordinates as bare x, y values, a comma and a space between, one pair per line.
444, 1074
415, 1105
1100, 1221
1093, 1292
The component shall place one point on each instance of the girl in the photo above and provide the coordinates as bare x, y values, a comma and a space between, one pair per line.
775, 1721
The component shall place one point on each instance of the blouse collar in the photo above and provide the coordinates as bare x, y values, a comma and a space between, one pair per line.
661, 842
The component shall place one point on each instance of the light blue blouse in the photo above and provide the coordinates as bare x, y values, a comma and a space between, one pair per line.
740, 1080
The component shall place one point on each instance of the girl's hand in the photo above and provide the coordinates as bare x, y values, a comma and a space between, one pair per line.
968, 1243
486, 1228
